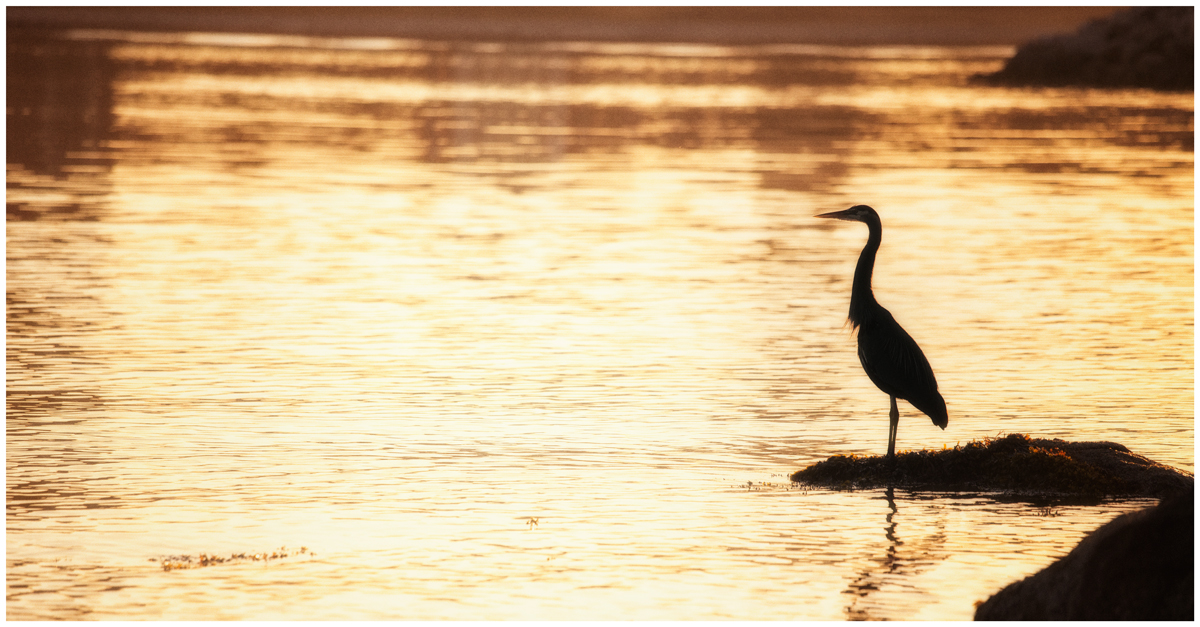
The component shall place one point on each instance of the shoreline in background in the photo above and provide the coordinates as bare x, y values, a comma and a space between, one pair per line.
994, 25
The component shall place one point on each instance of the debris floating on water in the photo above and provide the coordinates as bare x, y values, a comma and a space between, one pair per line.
184, 562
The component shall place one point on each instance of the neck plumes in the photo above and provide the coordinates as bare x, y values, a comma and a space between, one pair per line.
862, 300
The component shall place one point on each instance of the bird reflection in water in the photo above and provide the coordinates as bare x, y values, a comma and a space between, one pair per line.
897, 566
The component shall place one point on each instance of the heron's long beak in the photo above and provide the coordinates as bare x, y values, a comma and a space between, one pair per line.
836, 215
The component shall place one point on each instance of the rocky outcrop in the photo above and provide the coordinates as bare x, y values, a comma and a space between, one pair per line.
1016, 465
1137, 567
1149, 47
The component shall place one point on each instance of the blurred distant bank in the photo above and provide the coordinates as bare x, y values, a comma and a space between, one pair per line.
995, 25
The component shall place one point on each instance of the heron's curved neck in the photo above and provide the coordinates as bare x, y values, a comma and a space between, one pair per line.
862, 300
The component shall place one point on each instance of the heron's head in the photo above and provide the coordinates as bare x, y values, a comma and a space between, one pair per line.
857, 213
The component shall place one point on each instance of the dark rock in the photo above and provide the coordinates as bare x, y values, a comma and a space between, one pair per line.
1137, 567
1149, 47
1016, 464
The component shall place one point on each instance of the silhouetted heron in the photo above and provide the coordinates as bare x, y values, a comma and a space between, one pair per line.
891, 358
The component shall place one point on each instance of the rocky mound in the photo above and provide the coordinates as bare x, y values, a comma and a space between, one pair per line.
1150, 47
1015, 464
1137, 567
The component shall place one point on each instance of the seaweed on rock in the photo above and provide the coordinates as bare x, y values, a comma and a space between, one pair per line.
1013, 464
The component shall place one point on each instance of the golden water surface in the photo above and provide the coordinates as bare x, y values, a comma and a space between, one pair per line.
503, 331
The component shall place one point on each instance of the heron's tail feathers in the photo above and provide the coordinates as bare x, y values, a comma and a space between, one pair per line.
933, 406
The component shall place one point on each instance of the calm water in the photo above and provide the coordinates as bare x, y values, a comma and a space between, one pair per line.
393, 301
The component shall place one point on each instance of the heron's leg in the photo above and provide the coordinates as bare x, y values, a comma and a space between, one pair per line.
895, 422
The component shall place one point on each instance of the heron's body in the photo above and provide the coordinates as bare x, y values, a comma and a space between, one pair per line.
889, 355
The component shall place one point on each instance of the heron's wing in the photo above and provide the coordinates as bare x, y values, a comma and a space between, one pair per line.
895, 363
